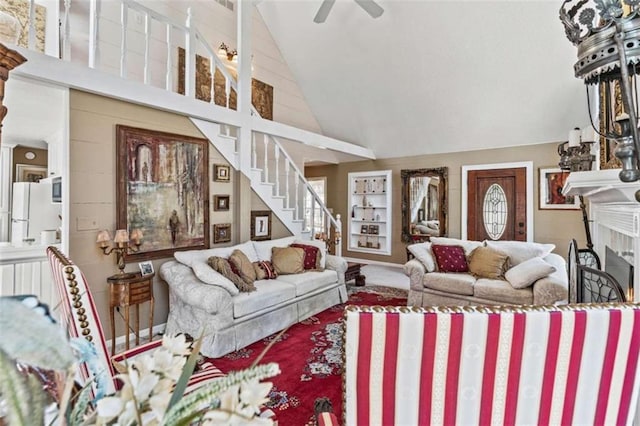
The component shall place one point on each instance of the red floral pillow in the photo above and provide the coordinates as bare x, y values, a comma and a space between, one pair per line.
450, 258
311, 256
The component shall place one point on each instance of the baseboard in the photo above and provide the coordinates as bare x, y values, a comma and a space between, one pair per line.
144, 333
373, 262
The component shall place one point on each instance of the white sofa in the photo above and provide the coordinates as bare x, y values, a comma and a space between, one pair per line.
202, 301
534, 276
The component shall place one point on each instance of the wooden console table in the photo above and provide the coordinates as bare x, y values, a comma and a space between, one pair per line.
127, 290
353, 272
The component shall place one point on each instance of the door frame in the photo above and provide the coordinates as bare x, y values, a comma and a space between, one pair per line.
528, 165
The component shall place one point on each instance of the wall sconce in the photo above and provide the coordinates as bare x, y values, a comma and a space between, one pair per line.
608, 55
575, 157
121, 245
226, 52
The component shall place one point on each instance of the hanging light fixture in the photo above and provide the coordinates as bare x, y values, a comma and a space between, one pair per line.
606, 33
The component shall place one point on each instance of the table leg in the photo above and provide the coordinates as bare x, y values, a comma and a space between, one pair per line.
113, 331
126, 320
151, 319
138, 324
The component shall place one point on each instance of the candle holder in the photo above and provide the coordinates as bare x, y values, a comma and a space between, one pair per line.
576, 158
121, 246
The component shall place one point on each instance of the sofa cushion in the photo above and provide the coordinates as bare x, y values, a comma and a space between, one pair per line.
450, 258
422, 252
311, 256
501, 291
467, 245
487, 262
208, 275
287, 260
270, 293
526, 273
264, 270
222, 265
322, 247
243, 266
519, 251
310, 280
263, 248
450, 282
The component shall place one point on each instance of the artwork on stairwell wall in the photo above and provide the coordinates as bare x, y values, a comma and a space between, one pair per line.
261, 93
162, 188
260, 225
221, 173
19, 10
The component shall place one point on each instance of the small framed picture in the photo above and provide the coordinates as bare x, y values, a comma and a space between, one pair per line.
30, 173
551, 183
146, 268
364, 229
221, 173
260, 225
221, 232
221, 202
374, 229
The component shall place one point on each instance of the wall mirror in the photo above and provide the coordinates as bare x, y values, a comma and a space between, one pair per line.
424, 204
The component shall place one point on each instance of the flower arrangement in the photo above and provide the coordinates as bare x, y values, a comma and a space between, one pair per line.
153, 385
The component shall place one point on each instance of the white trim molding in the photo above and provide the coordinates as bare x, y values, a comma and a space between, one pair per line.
528, 165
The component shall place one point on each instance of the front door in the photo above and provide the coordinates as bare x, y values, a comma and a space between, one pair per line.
497, 204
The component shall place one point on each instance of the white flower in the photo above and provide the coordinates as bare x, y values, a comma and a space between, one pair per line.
109, 407
159, 404
165, 363
144, 386
177, 345
254, 394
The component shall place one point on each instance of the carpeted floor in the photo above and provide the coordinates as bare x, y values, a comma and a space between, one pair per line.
310, 358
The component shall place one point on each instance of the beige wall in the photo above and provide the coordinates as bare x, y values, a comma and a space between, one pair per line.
550, 226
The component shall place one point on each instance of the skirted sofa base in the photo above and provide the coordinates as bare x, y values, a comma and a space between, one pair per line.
228, 323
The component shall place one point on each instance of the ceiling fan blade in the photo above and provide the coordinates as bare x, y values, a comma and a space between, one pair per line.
371, 7
323, 12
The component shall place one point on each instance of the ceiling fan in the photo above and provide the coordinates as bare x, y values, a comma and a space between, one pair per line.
369, 6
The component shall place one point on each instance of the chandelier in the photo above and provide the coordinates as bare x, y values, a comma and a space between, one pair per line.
607, 35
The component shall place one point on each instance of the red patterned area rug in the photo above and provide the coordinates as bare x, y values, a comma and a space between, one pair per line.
310, 357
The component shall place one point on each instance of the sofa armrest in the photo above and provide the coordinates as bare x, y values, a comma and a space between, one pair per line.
553, 288
193, 292
415, 270
338, 264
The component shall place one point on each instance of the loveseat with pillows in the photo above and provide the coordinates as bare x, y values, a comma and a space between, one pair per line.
237, 295
449, 271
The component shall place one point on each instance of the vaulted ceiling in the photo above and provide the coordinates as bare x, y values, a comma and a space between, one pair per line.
433, 76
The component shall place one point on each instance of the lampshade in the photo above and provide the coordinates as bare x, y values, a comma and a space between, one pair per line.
136, 235
122, 236
103, 236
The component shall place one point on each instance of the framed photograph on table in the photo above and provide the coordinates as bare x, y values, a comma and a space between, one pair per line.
221, 202
146, 268
162, 188
221, 233
260, 225
551, 183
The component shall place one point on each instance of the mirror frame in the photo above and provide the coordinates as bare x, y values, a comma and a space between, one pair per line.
442, 173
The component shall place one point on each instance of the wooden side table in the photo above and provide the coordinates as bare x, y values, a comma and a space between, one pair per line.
127, 290
353, 272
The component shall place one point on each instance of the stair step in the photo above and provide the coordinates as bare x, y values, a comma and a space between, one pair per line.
288, 209
232, 138
297, 220
282, 197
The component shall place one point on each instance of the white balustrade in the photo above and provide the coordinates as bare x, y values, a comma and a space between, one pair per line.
147, 48
287, 166
124, 17
276, 154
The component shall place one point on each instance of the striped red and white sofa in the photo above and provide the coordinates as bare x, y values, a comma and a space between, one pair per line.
572, 364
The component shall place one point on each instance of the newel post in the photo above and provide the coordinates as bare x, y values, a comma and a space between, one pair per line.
9, 59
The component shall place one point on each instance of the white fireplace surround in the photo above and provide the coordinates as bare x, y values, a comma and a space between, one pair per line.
614, 214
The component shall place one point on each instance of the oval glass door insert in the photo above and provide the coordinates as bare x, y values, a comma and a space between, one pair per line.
494, 211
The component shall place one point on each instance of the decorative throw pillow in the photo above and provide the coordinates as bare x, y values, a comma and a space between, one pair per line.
485, 262
287, 260
526, 273
243, 266
422, 252
263, 248
264, 270
450, 258
222, 265
519, 251
322, 246
467, 245
311, 256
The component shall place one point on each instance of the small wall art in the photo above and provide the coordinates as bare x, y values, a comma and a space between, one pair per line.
221, 173
221, 233
551, 183
260, 225
30, 173
221, 202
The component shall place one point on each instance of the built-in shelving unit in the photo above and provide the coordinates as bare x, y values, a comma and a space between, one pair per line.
370, 212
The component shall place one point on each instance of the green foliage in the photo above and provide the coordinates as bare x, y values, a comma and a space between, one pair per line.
24, 396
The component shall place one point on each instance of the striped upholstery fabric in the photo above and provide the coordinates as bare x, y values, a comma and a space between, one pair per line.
79, 315
543, 365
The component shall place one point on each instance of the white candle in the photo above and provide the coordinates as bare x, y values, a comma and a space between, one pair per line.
574, 137
588, 134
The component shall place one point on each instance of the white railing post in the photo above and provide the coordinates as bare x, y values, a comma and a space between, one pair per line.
227, 91
147, 48
32, 25
124, 17
312, 216
66, 28
286, 184
190, 58
297, 204
337, 236
169, 74
254, 153
94, 15
276, 154
266, 158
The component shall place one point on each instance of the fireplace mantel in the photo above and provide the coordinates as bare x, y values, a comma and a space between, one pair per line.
601, 186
